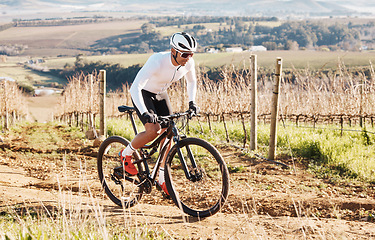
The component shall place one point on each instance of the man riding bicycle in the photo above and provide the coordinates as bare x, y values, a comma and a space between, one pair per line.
150, 98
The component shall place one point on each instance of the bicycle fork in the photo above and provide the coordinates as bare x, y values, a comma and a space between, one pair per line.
194, 174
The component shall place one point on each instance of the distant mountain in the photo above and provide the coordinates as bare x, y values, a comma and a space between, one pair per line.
278, 8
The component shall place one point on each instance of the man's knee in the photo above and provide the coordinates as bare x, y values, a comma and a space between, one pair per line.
152, 134
153, 130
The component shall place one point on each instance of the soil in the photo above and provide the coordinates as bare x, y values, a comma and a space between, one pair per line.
41, 108
265, 201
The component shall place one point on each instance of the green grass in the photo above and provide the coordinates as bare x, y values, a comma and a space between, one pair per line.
122, 127
46, 136
328, 153
323, 150
27, 77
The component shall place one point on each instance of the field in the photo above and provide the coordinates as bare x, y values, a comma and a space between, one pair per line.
64, 40
298, 59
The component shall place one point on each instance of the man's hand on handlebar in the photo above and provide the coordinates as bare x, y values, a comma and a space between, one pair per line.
193, 109
150, 117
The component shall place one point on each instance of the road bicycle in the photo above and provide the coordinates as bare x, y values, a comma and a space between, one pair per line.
196, 175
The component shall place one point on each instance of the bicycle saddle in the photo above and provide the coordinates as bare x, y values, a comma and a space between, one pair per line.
124, 108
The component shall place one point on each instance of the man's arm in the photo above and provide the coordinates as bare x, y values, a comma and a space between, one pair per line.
191, 82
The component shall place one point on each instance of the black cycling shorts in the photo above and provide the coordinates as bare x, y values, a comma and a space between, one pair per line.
157, 103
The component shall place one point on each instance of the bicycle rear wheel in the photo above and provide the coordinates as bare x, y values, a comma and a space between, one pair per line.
122, 189
206, 190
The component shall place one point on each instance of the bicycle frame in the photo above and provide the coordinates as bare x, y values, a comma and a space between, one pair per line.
170, 133
167, 135
147, 155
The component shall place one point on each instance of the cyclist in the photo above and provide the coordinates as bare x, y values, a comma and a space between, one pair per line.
150, 98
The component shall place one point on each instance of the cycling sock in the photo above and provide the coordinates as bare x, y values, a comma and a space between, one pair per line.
161, 176
128, 151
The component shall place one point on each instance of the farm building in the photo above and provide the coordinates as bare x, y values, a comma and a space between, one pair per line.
259, 48
234, 49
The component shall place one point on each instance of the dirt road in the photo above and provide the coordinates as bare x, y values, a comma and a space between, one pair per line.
41, 107
19, 188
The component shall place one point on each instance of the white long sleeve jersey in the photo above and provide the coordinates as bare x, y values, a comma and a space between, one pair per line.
158, 74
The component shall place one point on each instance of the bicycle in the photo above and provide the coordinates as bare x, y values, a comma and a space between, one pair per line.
196, 175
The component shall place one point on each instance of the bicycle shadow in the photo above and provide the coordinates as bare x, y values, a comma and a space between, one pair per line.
172, 215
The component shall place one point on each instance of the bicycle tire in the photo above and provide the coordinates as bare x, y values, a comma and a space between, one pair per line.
203, 196
126, 192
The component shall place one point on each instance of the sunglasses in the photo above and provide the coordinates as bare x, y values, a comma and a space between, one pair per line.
185, 54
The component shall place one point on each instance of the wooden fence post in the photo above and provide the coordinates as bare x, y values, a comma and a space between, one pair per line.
361, 104
6, 113
275, 110
102, 94
253, 107
91, 102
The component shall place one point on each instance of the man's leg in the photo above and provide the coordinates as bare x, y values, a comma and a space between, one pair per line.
161, 180
152, 130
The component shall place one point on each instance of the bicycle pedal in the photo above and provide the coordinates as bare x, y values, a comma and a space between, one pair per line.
165, 196
128, 174
115, 179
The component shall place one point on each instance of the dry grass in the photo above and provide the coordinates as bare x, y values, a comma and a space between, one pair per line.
74, 215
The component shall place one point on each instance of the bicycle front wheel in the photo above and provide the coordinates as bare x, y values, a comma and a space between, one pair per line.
197, 177
122, 189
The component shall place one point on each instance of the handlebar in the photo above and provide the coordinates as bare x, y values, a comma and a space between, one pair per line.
169, 118
160, 119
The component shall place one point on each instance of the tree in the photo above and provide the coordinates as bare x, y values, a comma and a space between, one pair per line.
147, 28
270, 45
78, 63
240, 25
291, 45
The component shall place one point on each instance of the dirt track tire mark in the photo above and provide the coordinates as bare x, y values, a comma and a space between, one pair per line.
65, 39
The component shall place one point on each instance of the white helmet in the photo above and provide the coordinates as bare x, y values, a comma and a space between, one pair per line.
183, 42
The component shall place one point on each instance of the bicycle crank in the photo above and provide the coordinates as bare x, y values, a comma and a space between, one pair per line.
145, 184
